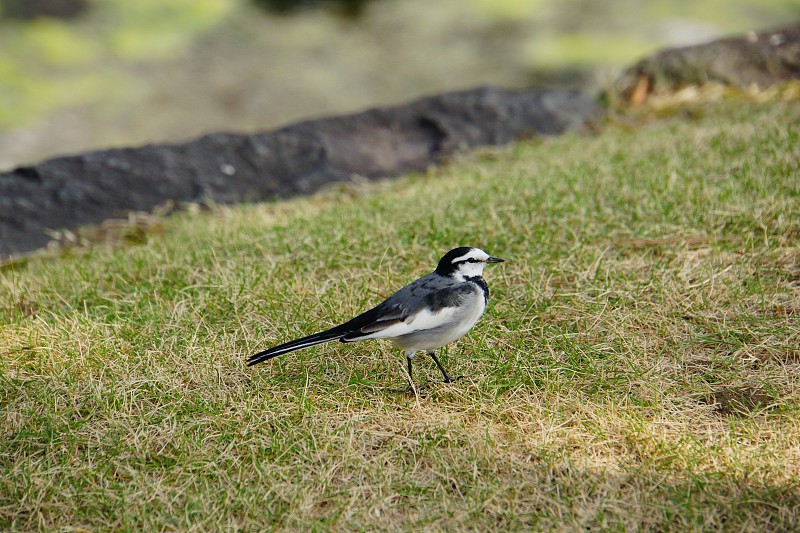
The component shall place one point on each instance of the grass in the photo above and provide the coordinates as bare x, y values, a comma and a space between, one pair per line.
636, 369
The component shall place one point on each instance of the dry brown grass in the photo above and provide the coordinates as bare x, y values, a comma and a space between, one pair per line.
637, 368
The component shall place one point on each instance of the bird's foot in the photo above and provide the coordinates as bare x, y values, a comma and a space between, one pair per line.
449, 379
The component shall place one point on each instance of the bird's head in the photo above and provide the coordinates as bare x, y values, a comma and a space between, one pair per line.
465, 262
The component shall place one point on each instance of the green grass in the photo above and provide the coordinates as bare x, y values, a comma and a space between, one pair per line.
636, 368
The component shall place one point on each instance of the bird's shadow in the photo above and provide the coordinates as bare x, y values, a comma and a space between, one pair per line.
424, 390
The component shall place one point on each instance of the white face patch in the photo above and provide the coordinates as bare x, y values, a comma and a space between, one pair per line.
471, 264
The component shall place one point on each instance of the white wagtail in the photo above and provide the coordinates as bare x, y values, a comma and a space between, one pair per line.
426, 314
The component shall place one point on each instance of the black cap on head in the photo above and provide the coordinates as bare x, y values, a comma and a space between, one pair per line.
446, 265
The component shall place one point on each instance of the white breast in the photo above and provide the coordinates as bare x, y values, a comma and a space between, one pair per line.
429, 331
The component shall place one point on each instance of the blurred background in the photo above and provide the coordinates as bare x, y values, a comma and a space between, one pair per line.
87, 74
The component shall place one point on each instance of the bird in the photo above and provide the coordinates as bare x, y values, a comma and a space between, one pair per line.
425, 315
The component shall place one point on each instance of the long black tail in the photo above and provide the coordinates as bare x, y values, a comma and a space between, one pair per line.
297, 344
353, 325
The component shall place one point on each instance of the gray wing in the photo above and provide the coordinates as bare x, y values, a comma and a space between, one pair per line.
429, 292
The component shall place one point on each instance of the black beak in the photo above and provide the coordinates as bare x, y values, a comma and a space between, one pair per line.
495, 260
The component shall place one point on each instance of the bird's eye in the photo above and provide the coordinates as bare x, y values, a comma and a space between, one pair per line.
468, 260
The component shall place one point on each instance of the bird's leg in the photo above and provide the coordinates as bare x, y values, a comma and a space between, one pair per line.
411, 387
447, 378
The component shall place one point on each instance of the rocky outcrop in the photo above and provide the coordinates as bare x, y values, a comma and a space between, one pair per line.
68, 192
753, 60
84, 189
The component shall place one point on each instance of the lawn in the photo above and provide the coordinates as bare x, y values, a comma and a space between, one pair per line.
637, 366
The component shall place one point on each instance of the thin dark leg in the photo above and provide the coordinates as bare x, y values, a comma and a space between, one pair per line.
447, 378
411, 387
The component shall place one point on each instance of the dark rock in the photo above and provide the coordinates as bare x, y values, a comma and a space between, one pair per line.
756, 59
34, 9
83, 189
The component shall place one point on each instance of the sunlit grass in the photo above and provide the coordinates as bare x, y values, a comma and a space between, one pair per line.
636, 369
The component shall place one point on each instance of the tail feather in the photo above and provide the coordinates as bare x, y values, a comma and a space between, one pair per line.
356, 324
297, 344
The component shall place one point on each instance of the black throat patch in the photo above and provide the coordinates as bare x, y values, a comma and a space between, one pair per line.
480, 282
